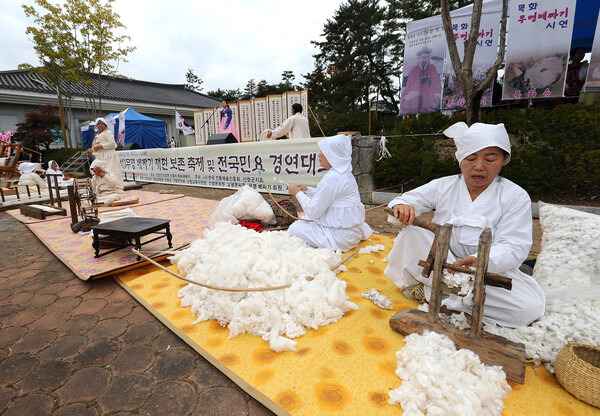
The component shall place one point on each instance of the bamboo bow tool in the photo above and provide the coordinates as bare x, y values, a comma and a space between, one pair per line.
491, 349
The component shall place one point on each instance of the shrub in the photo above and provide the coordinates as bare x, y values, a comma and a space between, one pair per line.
555, 153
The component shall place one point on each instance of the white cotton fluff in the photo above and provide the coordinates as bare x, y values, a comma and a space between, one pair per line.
246, 203
378, 299
234, 257
568, 269
371, 249
439, 380
462, 280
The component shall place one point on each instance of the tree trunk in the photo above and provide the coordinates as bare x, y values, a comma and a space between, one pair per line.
62, 120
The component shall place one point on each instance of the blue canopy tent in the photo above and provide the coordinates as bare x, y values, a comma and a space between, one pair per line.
146, 131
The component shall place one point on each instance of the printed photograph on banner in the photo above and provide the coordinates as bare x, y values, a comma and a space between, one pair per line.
485, 56
537, 48
593, 73
423, 66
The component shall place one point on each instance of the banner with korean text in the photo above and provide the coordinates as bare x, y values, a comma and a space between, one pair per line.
229, 166
423, 64
538, 42
485, 56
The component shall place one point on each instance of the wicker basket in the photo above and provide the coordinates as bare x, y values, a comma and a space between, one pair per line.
577, 369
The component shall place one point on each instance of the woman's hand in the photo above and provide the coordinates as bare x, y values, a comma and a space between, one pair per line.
295, 188
467, 262
90, 150
404, 213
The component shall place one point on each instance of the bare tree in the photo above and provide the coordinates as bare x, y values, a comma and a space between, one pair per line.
472, 89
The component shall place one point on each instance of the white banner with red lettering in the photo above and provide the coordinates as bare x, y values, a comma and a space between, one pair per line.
485, 56
538, 42
229, 166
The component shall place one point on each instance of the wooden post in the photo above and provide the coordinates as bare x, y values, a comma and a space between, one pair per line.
57, 191
483, 257
441, 254
72, 204
28, 193
49, 179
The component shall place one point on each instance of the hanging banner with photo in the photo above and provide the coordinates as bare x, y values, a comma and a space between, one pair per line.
423, 64
229, 166
485, 56
121, 132
593, 73
537, 51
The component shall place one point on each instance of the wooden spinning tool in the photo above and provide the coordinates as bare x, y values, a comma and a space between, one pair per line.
82, 200
491, 349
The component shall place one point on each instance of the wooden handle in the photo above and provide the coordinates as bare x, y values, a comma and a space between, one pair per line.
491, 279
419, 222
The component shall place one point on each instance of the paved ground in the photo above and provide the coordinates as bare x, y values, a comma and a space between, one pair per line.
69, 347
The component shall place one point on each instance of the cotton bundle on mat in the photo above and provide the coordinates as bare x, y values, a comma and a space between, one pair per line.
335, 359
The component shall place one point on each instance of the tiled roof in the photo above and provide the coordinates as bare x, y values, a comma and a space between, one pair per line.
119, 89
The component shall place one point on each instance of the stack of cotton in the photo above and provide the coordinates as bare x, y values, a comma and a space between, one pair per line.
246, 203
439, 380
568, 269
234, 257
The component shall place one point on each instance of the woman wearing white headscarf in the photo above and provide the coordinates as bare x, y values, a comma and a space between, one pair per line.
471, 201
107, 186
30, 178
53, 169
334, 206
103, 148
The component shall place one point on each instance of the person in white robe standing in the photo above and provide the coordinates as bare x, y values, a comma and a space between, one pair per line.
471, 201
107, 186
103, 148
336, 214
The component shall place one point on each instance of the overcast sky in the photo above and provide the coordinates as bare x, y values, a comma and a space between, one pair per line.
225, 43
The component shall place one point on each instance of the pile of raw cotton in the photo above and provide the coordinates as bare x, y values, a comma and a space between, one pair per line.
245, 203
439, 380
234, 257
568, 269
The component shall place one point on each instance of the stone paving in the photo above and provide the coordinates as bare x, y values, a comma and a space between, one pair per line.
69, 347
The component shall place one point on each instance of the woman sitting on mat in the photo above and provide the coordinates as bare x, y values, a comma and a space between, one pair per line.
337, 215
29, 178
107, 186
471, 201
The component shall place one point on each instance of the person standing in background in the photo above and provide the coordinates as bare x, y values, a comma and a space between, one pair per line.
227, 123
296, 125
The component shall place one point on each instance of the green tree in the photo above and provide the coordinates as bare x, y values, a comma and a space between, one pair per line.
231, 96
192, 81
41, 126
472, 89
250, 91
77, 43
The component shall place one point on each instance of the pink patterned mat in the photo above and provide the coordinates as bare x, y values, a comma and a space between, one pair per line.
189, 217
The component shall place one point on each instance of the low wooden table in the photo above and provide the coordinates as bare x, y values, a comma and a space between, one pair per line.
130, 228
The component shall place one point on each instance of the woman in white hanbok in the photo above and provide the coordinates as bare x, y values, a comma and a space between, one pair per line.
334, 208
103, 148
471, 201
53, 169
106, 185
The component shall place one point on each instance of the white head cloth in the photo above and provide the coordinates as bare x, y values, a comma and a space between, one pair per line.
50, 167
338, 151
103, 120
27, 167
472, 139
98, 163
